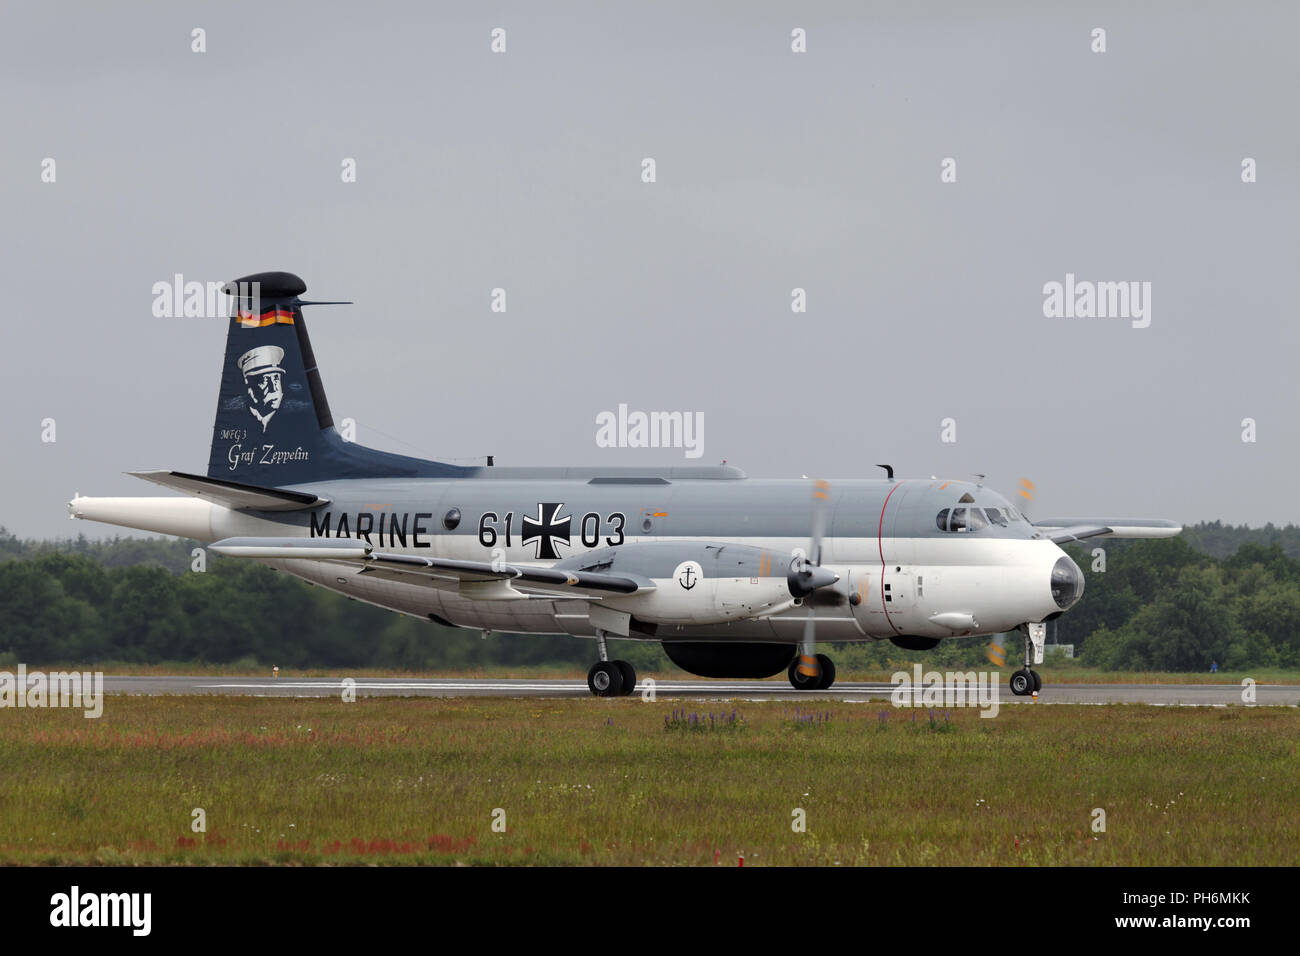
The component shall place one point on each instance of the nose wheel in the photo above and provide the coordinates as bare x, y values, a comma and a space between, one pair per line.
1025, 682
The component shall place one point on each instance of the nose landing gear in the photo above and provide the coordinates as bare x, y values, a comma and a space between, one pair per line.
1025, 681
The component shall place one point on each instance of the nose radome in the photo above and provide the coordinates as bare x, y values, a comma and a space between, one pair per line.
1067, 583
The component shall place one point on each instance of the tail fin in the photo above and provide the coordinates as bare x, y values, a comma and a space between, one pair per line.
273, 424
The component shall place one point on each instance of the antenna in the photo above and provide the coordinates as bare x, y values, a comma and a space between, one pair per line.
889, 470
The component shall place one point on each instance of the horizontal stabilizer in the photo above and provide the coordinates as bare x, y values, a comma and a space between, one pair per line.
233, 494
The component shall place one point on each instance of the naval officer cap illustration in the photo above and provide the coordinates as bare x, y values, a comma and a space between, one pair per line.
263, 360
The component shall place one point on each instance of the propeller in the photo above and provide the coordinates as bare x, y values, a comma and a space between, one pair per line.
807, 575
997, 652
1026, 493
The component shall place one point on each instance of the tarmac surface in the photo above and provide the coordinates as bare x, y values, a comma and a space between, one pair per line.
1186, 695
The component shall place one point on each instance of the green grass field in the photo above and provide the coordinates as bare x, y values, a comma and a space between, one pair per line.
586, 781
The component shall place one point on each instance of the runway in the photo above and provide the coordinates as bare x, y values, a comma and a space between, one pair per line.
1184, 695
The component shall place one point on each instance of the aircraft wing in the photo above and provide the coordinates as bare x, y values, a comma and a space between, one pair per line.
481, 580
1062, 530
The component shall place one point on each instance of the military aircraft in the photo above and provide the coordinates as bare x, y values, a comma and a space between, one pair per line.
735, 576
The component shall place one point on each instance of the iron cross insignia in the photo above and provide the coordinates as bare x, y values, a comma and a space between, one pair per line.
547, 529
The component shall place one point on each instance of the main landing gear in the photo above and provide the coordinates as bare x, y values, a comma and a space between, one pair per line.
610, 678
800, 679
1026, 681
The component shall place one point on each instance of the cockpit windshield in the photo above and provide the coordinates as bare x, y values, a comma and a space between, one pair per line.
975, 519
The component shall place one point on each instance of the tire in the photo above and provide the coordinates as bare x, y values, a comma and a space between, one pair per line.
1022, 683
605, 679
1038, 682
798, 681
828, 672
628, 673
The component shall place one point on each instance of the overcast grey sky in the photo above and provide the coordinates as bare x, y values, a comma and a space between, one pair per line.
775, 170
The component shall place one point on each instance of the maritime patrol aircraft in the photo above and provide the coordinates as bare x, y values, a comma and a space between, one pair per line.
736, 577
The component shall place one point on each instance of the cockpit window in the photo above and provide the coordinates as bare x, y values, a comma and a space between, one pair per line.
975, 519
996, 516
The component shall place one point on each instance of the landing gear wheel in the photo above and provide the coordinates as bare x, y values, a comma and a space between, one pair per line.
828, 672
1038, 682
801, 682
629, 677
1022, 682
605, 679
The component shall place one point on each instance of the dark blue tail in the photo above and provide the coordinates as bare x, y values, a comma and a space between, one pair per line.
273, 424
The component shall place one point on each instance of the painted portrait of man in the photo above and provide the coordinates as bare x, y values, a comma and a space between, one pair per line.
264, 380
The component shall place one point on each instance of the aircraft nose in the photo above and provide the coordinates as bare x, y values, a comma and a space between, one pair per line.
1067, 583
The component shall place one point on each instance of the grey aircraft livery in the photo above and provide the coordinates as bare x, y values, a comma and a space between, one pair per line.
735, 576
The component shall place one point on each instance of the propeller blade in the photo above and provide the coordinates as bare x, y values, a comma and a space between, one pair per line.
821, 496
810, 628
1026, 493
806, 573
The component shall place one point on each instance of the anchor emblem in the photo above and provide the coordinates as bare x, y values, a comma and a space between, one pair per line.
687, 580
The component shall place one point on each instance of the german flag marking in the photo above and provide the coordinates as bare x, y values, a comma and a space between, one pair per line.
276, 316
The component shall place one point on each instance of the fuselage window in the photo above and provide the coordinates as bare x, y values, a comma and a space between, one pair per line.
977, 520
958, 520
942, 520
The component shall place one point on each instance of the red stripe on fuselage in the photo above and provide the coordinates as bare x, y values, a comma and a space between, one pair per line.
881, 545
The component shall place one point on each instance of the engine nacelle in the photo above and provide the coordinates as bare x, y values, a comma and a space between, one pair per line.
698, 582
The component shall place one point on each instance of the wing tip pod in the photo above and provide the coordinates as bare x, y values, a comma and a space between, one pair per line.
281, 548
